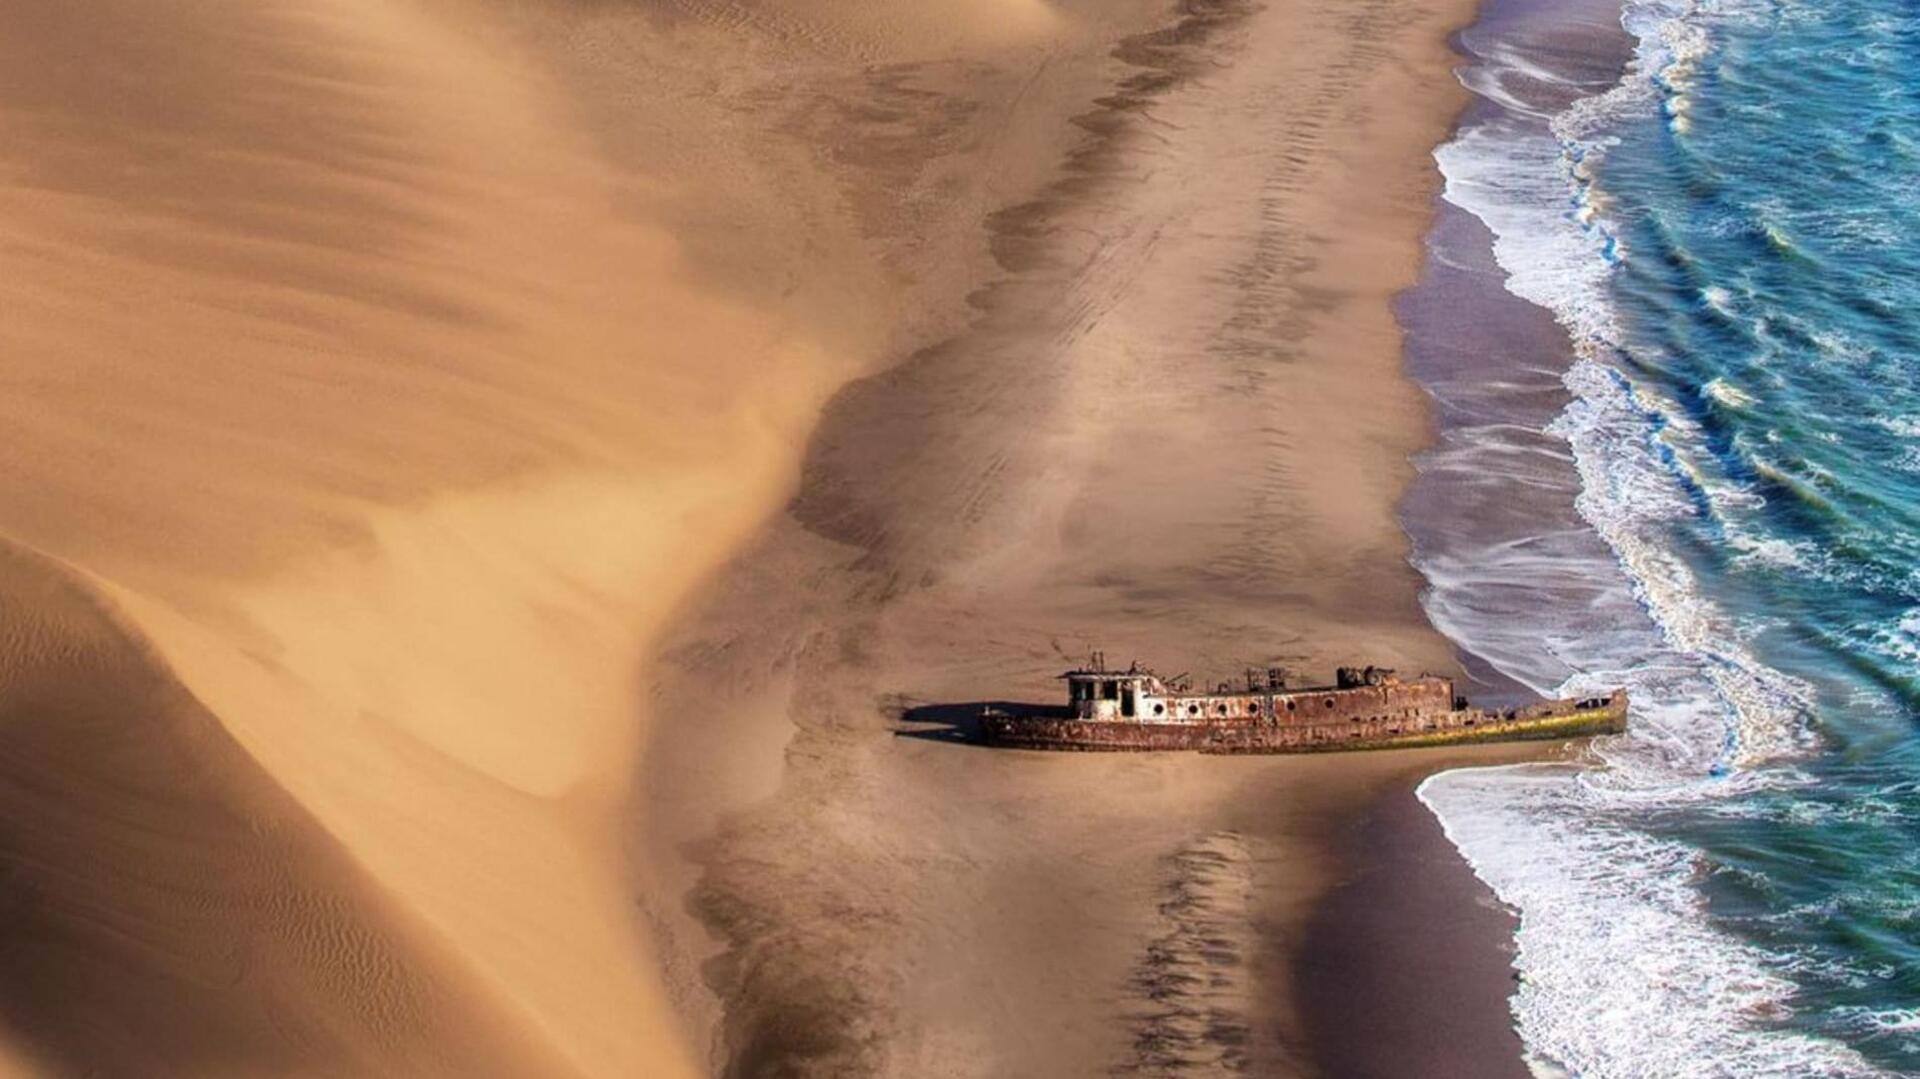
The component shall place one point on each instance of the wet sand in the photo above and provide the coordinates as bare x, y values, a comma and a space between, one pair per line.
1406, 964
408, 664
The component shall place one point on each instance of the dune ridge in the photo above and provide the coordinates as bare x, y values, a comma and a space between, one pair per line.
342, 364
170, 909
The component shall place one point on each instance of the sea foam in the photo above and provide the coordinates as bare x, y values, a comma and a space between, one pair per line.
1621, 971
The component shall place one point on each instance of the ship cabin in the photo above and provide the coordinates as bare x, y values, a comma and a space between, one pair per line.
1140, 696
1112, 695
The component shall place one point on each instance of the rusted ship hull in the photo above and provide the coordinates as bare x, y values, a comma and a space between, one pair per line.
1557, 719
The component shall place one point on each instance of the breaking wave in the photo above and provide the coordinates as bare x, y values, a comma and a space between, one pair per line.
1657, 935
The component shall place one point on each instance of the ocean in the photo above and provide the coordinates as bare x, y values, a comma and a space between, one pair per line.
1671, 322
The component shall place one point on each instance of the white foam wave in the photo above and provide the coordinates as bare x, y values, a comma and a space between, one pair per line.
1882, 1020
1718, 298
1728, 394
1902, 426
1622, 974
1899, 642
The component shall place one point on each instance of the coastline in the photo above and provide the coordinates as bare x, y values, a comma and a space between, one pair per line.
1652, 208
1635, 554
1491, 511
1492, 516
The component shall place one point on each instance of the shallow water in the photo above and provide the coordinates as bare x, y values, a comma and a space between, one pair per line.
1726, 234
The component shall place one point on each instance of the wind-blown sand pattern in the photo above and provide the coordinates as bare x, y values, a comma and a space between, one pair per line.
1194, 976
344, 386
406, 665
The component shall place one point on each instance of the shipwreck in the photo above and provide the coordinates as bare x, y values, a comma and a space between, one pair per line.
1365, 708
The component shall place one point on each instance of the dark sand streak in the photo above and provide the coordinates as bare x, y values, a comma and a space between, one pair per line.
898, 474
882, 441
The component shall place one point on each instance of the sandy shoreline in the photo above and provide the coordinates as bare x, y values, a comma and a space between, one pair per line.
402, 400
1175, 430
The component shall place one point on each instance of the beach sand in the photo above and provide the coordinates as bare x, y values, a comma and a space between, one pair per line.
1174, 430
408, 664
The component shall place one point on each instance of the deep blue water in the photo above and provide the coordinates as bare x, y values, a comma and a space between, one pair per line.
1769, 286
1730, 235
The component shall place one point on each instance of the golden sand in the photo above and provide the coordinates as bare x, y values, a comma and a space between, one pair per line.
340, 383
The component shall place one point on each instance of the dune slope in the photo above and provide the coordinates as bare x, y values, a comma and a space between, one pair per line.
168, 908
388, 419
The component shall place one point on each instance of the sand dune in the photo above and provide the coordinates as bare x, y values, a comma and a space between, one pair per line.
350, 376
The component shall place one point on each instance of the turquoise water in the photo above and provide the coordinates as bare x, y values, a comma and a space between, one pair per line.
1769, 288
1730, 236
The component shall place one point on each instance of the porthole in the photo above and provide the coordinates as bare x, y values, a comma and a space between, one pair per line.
1193, 709
1222, 709
1159, 709
1289, 706
1329, 702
